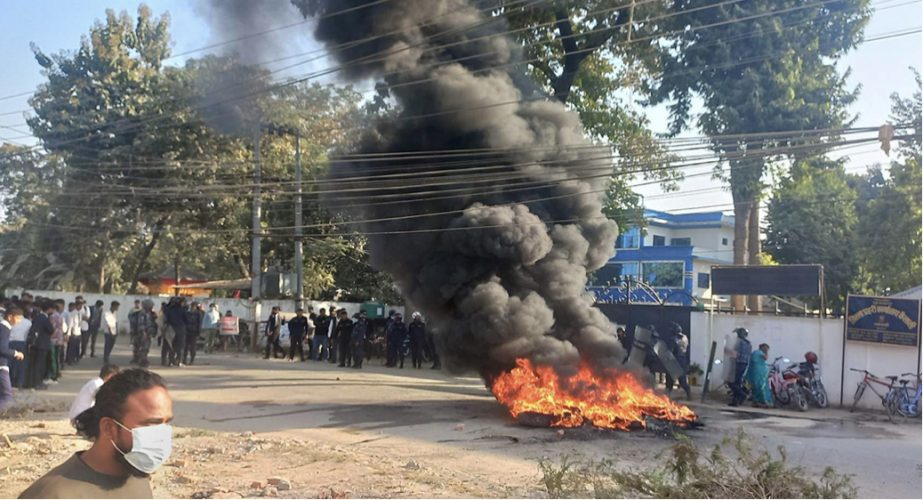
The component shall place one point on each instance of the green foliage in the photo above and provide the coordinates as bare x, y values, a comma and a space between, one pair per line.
148, 164
775, 71
811, 219
691, 473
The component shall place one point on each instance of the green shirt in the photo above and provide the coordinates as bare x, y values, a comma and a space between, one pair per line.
75, 479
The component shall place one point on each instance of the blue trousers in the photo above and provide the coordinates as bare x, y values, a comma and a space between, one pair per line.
320, 342
739, 394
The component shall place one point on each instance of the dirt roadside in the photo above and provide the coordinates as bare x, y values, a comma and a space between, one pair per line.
324, 431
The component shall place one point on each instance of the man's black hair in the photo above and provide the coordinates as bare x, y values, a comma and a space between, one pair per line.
110, 399
100, 303
107, 370
114, 303
12, 311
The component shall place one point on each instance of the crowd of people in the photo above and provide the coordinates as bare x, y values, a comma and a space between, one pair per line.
349, 341
40, 337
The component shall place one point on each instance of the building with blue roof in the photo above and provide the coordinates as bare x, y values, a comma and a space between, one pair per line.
668, 261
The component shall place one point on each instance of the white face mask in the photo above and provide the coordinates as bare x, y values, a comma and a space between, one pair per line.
151, 446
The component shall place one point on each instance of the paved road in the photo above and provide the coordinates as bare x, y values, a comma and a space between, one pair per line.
455, 424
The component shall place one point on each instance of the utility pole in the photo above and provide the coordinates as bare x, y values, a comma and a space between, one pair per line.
299, 258
255, 267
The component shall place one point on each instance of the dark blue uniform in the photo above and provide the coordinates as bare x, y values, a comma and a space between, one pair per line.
297, 329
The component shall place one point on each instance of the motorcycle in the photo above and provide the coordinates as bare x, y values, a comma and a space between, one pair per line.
811, 385
784, 385
795, 388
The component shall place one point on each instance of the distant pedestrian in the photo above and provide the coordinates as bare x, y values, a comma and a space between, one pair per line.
344, 332
758, 377
273, 332
391, 345
110, 328
11, 316
39, 345
193, 328
85, 314
18, 335
210, 327
74, 333
175, 318
359, 334
397, 334
143, 330
297, 331
742, 354
417, 332
320, 348
96, 321
678, 344
58, 340
86, 398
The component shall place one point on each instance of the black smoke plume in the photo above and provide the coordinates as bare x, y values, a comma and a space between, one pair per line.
501, 273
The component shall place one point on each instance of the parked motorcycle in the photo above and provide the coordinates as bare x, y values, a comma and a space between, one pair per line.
784, 385
795, 387
810, 382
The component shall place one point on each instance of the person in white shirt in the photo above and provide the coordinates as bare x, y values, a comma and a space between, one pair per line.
72, 322
110, 329
86, 398
18, 335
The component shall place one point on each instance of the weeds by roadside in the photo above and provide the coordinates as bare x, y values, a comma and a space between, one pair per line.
691, 473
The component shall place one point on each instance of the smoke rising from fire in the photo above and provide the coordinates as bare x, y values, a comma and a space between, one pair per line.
502, 277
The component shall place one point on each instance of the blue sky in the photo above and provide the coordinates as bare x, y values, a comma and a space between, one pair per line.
880, 67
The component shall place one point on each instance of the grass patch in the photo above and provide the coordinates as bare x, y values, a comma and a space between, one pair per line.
690, 473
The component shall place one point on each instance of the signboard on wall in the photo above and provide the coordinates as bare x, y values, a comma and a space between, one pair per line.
883, 320
785, 280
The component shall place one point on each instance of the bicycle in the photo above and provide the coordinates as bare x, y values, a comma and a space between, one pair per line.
867, 380
903, 400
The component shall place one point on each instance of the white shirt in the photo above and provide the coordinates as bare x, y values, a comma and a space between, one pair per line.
86, 398
72, 321
109, 323
84, 318
20, 331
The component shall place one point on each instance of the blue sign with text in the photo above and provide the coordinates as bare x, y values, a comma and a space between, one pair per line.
883, 320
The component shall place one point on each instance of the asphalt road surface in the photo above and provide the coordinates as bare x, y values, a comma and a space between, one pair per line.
429, 419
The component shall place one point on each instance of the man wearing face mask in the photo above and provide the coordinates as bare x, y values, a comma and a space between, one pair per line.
132, 438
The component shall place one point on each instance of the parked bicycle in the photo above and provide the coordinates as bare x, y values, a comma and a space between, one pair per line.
868, 379
904, 400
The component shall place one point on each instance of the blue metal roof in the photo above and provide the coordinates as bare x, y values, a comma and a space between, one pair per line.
697, 219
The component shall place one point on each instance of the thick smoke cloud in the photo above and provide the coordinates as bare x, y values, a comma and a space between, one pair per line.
503, 276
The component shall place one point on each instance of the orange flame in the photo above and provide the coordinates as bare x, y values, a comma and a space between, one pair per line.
615, 402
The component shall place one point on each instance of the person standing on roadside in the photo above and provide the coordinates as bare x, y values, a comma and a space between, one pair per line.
96, 322
417, 332
193, 326
143, 330
743, 352
273, 331
210, 327
18, 335
58, 338
132, 438
398, 334
110, 327
343, 337
11, 316
175, 317
297, 330
84, 322
74, 333
359, 335
39, 345
321, 345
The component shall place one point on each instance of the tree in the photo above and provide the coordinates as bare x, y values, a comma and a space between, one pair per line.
759, 67
890, 220
811, 219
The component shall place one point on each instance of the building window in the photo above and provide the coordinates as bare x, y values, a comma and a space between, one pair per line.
681, 242
659, 241
613, 274
629, 239
704, 280
663, 274
724, 241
